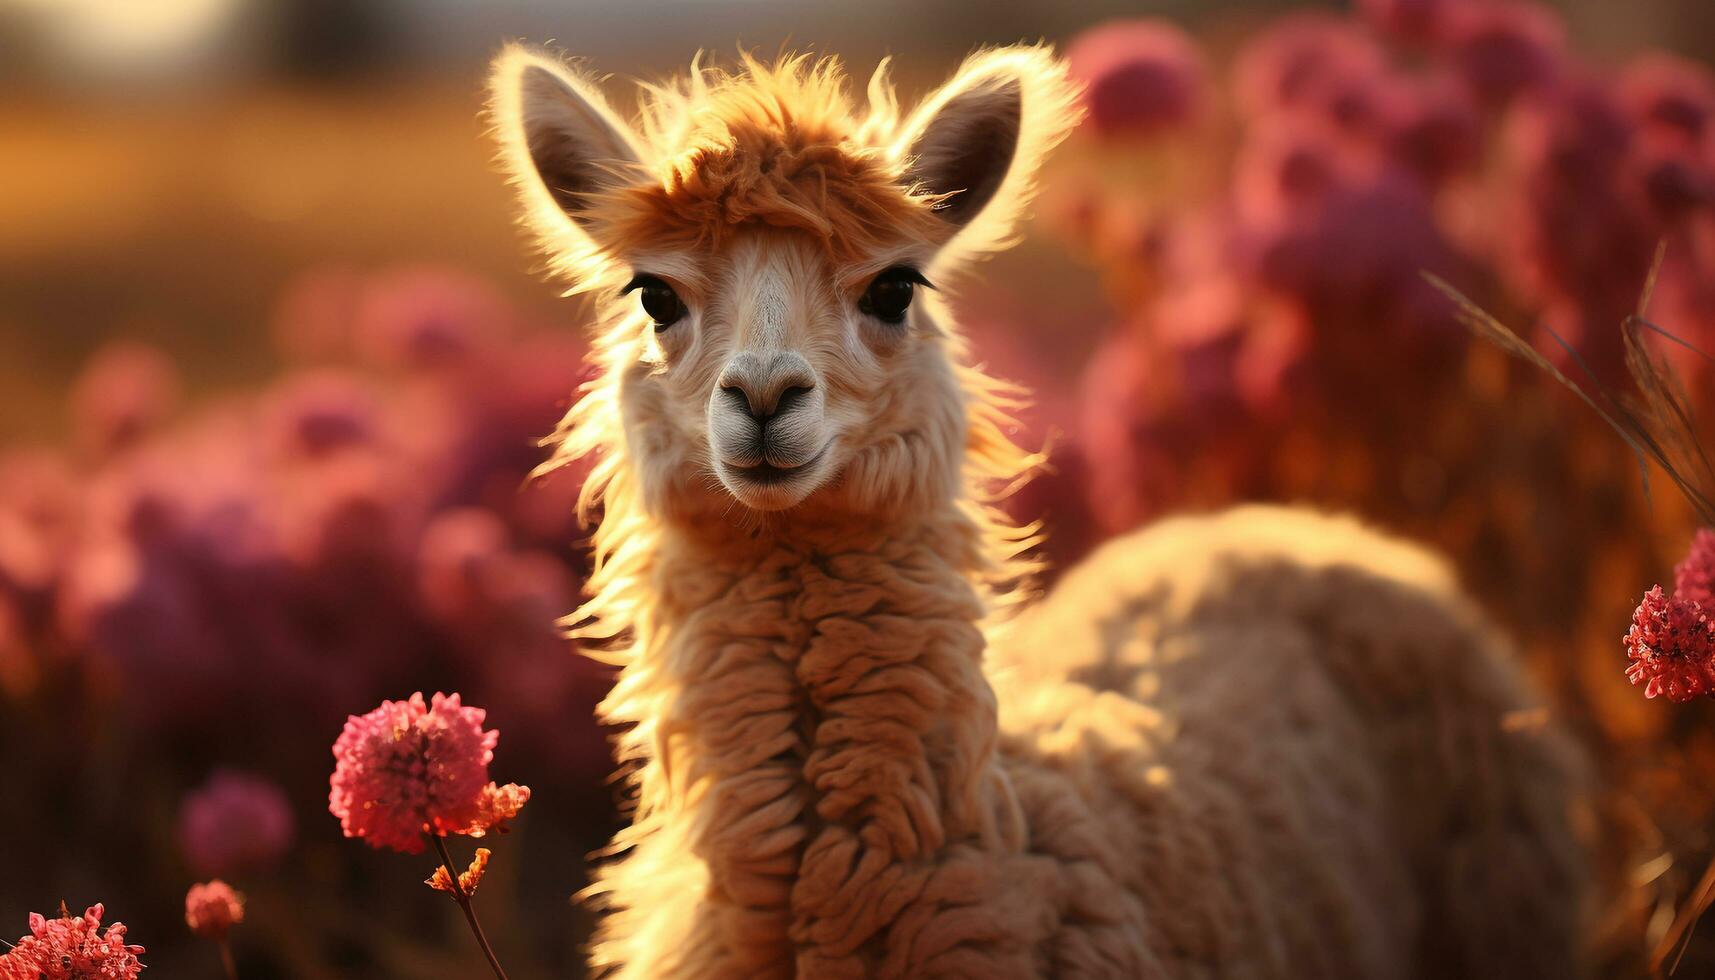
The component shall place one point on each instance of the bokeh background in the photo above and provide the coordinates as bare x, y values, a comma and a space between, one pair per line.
273, 361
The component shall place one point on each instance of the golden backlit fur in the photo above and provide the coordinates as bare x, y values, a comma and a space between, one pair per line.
1262, 745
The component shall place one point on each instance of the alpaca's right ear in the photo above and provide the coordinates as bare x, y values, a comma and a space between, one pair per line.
976, 142
561, 143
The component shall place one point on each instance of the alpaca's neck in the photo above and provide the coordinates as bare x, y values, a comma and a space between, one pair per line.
825, 727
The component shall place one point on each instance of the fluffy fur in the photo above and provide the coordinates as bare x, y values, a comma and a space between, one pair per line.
1261, 745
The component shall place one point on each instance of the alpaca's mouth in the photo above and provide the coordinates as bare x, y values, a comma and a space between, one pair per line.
767, 474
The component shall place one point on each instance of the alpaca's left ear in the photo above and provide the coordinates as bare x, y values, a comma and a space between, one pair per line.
979, 140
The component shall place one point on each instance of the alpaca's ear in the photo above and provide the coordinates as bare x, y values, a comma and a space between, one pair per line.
561, 143
980, 138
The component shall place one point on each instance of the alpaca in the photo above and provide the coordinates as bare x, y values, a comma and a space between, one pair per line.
1260, 744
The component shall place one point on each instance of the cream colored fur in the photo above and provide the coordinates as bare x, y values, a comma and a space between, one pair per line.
1264, 744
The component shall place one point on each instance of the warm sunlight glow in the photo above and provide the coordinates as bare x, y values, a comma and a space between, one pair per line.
127, 35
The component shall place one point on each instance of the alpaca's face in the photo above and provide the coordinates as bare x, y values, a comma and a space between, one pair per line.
771, 248
771, 371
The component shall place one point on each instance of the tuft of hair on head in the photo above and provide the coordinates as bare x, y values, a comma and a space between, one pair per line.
778, 144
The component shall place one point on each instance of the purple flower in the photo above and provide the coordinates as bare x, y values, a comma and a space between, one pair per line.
1433, 130
315, 413
1670, 96
1505, 49
1302, 61
236, 823
1141, 77
419, 317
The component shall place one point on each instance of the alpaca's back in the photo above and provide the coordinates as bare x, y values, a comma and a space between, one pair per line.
1277, 744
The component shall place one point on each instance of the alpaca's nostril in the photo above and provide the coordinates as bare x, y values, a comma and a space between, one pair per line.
789, 397
741, 400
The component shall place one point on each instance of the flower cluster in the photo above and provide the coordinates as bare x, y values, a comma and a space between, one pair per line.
1671, 644
1273, 333
198, 577
410, 768
72, 947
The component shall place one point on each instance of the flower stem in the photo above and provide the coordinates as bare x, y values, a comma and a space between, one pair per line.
226, 960
464, 903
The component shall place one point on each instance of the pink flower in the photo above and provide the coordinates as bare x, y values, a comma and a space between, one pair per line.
313, 317
1504, 49
236, 822
212, 909
126, 391
1433, 129
1671, 646
420, 317
1300, 61
406, 769
1694, 578
315, 413
1411, 20
1141, 76
72, 948
1671, 96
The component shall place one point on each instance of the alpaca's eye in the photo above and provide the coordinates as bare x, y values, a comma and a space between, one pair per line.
658, 299
889, 295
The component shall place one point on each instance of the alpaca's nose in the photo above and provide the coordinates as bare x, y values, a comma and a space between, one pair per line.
763, 389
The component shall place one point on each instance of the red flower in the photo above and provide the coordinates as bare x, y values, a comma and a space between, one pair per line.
212, 909
409, 768
1672, 648
72, 948
1694, 578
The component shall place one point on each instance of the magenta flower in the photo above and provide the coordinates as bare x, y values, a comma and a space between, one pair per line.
72, 948
1694, 577
212, 909
420, 317
1504, 49
1670, 95
318, 412
1433, 129
1141, 77
1301, 61
409, 768
1671, 646
235, 823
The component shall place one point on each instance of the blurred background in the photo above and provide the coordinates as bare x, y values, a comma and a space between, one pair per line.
273, 361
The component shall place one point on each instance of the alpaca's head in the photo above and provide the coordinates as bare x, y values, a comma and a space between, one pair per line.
767, 251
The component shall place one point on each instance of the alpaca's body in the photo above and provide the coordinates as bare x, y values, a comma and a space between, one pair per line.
1296, 751
1265, 745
